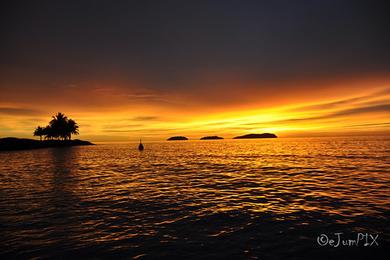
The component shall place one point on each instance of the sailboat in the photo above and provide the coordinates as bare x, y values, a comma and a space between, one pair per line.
140, 146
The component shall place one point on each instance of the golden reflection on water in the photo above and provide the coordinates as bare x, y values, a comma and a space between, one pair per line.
100, 194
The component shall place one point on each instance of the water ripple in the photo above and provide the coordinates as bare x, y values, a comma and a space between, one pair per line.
232, 198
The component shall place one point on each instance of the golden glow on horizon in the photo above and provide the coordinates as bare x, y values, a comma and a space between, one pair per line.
364, 111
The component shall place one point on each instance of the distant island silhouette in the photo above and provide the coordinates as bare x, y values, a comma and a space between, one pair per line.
57, 133
253, 136
213, 137
175, 138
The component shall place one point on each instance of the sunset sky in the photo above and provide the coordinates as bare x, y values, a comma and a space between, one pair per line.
153, 69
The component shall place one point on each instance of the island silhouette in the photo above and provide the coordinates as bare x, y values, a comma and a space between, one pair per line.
213, 137
57, 133
253, 136
176, 138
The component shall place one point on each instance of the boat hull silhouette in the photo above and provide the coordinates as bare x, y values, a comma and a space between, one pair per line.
140, 146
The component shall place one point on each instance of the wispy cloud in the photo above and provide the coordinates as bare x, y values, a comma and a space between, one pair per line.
346, 112
121, 126
145, 118
19, 111
361, 110
330, 105
387, 124
344, 102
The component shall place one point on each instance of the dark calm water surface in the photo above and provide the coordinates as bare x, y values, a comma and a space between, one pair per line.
250, 199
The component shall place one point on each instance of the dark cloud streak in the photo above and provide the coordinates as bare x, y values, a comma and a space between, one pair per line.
146, 118
344, 102
20, 111
380, 108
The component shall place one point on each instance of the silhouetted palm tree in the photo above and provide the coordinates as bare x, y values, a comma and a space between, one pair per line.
58, 125
49, 134
39, 131
72, 128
